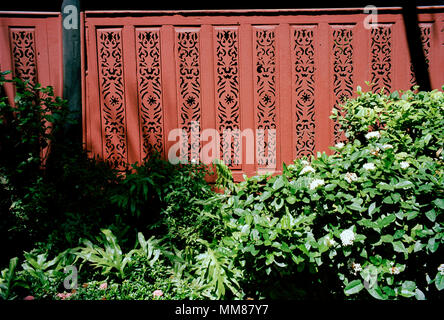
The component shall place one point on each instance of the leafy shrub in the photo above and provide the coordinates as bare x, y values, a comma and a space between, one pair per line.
367, 217
365, 222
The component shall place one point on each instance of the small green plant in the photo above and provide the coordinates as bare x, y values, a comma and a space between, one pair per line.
10, 279
108, 258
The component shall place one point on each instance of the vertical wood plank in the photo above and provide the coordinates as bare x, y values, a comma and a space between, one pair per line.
131, 94
208, 119
246, 98
323, 89
168, 69
285, 137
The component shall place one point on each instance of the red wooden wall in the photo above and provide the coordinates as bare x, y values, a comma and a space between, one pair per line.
147, 73
31, 47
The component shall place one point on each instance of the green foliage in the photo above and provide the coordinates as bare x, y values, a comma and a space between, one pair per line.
9, 280
371, 213
365, 222
110, 258
45, 276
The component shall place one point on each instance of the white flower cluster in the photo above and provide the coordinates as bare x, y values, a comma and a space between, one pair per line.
340, 145
356, 267
441, 268
386, 146
394, 270
369, 166
316, 183
373, 134
329, 242
375, 152
307, 169
305, 163
347, 237
404, 165
350, 177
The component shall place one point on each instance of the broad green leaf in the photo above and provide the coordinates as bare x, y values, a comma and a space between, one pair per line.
439, 281
377, 293
265, 196
408, 289
353, 287
387, 238
370, 275
372, 208
405, 184
419, 295
291, 199
386, 221
279, 183
431, 215
398, 246
439, 203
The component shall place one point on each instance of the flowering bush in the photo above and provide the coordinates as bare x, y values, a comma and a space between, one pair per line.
364, 222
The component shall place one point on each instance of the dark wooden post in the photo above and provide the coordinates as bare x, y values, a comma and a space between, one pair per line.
71, 65
413, 34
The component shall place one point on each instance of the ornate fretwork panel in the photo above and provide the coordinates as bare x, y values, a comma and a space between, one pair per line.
226, 47
381, 57
188, 83
24, 54
342, 37
112, 96
150, 90
426, 29
265, 68
303, 87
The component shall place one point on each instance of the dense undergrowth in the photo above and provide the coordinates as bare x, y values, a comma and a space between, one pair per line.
365, 222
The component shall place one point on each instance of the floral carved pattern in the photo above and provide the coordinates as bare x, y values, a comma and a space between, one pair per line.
303, 70
266, 97
342, 72
24, 54
150, 92
227, 94
187, 59
426, 29
112, 96
381, 57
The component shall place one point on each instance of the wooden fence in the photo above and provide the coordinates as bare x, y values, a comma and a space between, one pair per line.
146, 74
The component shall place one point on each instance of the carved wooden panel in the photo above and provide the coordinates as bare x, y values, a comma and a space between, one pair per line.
188, 82
226, 55
343, 85
150, 90
381, 57
254, 74
265, 84
303, 88
24, 57
112, 96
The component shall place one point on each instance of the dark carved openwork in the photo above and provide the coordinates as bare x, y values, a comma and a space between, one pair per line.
227, 93
266, 96
24, 54
303, 51
110, 63
150, 90
342, 71
381, 57
188, 70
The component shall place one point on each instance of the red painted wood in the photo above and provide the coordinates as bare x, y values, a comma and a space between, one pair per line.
32, 49
267, 69
148, 73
